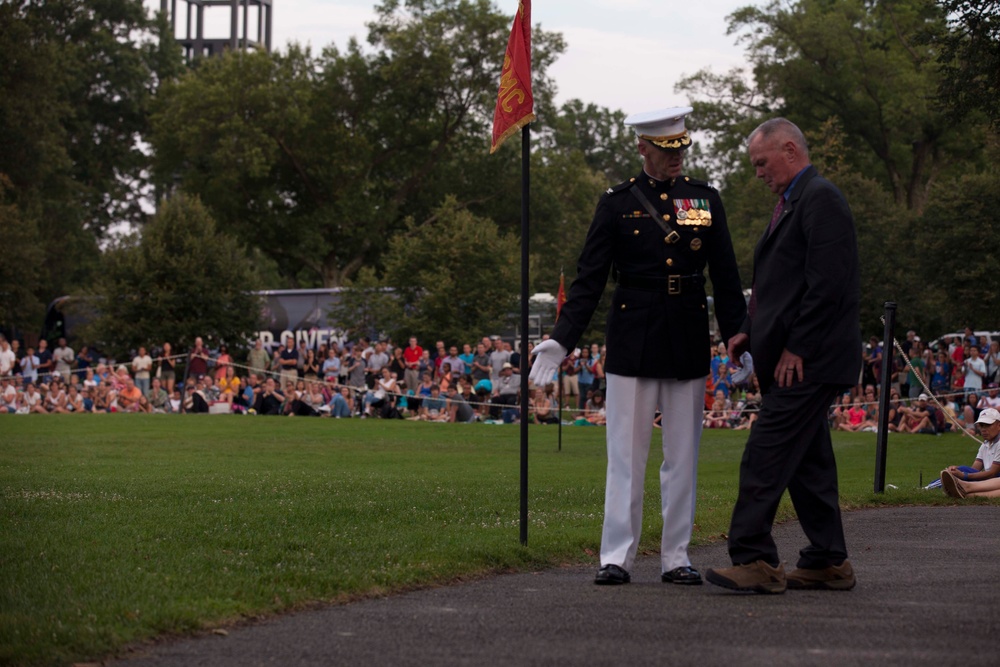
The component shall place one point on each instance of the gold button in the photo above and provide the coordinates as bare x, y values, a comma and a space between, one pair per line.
663, 196
623, 306
670, 262
666, 216
631, 180
635, 232
696, 229
652, 183
686, 179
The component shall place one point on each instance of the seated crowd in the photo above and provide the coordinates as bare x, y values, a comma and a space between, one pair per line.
480, 383
362, 379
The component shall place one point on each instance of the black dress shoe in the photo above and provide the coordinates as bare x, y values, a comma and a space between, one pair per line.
611, 575
687, 576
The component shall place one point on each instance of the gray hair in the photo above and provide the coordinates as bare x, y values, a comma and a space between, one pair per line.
783, 128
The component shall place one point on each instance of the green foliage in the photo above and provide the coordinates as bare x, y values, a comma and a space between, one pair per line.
970, 58
455, 276
599, 135
318, 160
366, 308
867, 64
75, 87
181, 279
861, 79
957, 235
21, 269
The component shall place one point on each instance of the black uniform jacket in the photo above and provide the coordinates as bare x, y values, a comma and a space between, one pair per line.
808, 287
658, 324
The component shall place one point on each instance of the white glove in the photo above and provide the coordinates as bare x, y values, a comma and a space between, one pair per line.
742, 374
548, 355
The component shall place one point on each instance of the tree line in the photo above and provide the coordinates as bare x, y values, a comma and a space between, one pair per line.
367, 166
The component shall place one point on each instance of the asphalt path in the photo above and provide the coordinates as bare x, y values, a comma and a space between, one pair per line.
927, 594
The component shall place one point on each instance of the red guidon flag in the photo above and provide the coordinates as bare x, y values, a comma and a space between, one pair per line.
561, 294
515, 105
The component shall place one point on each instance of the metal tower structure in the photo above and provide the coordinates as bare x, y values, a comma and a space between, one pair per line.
193, 39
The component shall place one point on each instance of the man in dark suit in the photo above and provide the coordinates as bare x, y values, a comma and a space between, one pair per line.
654, 234
803, 334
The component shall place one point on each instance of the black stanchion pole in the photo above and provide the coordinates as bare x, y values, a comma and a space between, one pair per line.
525, 192
882, 437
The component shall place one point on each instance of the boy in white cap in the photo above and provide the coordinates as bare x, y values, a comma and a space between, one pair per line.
987, 463
654, 234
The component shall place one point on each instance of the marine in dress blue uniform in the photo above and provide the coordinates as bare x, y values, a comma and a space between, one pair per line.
654, 234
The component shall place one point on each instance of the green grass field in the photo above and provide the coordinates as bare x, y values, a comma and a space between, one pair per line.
119, 528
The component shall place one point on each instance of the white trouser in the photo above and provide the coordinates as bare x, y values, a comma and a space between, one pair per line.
631, 404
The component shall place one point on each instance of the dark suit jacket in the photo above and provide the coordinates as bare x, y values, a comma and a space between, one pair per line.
808, 288
650, 332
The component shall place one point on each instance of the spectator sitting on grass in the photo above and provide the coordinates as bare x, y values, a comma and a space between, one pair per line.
459, 410
159, 400
544, 408
74, 400
987, 463
748, 415
341, 404
990, 399
595, 410
433, 408
505, 390
55, 396
919, 417
270, 400
175, 401
716, 417
103, 397
130, 399
32, 399
8, 395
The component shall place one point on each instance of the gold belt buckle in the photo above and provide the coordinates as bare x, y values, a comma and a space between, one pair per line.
673, 284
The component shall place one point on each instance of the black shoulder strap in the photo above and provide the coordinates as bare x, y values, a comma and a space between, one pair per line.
672, 235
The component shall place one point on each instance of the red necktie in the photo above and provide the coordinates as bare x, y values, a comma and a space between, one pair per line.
778, 208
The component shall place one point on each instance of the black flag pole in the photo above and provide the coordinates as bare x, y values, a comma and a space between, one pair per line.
525, 191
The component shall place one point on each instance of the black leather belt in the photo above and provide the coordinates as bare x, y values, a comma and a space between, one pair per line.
672, 284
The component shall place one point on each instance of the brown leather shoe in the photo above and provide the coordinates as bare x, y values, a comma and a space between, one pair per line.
758, 577
833, 578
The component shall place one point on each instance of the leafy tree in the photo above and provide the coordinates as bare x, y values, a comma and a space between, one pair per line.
455, 276
861, 79
319, 160
955, 270
181, 279
970, 58
862, 62
600, 136
366, 308
75, 85
20, 271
